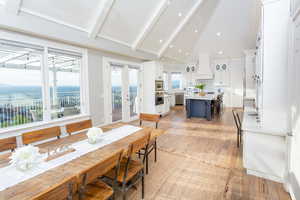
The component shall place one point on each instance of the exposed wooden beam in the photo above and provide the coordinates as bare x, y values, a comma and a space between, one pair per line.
101, 16
13, 6
161, 8
180, 27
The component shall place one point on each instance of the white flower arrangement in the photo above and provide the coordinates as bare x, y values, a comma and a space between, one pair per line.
26, 157
94, 135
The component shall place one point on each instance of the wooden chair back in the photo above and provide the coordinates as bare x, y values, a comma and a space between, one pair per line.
42, 134
78, 126
8, 144
90, 175
149, 117
139, 143
62, 191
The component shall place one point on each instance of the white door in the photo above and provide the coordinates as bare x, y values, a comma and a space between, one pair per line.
124, 93
133, 95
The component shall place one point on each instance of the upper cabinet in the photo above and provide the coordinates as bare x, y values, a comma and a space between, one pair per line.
159, 70
222, 72
202, 69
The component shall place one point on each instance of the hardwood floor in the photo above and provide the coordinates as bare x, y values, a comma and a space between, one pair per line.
198, 159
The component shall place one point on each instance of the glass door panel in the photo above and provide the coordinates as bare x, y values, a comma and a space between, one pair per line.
116, 91
133, 92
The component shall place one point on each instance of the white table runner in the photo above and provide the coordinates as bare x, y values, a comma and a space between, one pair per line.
10, 176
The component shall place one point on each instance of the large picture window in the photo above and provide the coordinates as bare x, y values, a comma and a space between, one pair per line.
33, 91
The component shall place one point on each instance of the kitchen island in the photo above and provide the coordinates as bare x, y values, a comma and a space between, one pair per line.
200, 106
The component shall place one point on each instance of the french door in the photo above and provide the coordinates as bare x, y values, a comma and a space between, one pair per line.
123, 91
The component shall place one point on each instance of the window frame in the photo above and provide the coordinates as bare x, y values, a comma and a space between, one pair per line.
84, 93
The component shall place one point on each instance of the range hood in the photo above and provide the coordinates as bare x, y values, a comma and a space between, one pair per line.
203, 71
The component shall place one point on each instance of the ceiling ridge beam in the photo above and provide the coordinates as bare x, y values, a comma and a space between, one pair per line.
101, 17
180, 27
161, 8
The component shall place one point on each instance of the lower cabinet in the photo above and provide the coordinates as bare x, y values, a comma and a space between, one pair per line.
264, 155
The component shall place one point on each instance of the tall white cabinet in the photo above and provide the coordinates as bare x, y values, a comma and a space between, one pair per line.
153, 71
264, 147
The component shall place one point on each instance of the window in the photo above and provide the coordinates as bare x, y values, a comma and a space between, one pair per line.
64, 79
166, 81
176, 78
31, 91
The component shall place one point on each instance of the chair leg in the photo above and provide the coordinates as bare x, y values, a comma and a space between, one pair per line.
147, 163
238, 139
155, 151
124, 195
241, 137
143, 186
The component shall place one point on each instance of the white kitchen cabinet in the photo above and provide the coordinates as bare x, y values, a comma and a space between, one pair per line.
159, 70
167, 104
222, 73
152, 71
265, 136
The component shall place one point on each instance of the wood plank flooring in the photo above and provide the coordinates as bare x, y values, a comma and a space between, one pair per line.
198, 159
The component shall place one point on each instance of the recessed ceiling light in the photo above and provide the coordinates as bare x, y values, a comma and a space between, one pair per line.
196, 31
160, 41
220, 52
218, 34
171, 46
169, 2
179, 50
179, 14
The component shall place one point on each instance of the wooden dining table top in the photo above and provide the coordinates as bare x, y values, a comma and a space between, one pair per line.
41, 183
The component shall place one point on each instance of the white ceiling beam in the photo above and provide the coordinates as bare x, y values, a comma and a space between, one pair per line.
180, 27
13, 6
161, 8
101, 16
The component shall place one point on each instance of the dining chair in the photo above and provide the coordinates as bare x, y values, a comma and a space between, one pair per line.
153, 142
91, 187
131, 171
8, 144
40, 135
61, 191
78, 126
238, 126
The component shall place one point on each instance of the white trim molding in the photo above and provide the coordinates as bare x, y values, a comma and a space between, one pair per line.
180, 27
162, 7
102, 14
51, 19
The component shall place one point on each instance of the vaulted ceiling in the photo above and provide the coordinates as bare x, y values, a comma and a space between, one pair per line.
145, 29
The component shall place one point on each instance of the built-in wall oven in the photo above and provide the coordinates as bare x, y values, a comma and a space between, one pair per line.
159, 98
159, 85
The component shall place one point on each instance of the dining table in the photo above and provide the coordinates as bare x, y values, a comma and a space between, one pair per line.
87, 156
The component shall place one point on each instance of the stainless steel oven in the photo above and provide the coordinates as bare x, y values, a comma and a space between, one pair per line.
159, 85
159, 98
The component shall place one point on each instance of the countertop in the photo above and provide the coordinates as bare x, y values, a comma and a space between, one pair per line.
206, 97
250, 124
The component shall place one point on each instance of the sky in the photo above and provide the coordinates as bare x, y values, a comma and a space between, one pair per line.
17, 77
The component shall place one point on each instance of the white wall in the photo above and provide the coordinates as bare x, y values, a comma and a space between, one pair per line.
96, 83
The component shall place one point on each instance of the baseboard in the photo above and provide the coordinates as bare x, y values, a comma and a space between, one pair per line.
265, 176
294, 187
